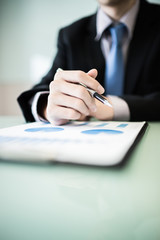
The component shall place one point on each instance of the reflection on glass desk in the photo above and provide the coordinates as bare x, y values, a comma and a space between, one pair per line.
65, 201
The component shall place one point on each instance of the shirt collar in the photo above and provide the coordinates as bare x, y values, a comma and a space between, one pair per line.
104, 21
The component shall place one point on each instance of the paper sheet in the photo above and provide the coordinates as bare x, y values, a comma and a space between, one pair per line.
94, 142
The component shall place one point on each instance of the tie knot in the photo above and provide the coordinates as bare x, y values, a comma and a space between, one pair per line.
118, 32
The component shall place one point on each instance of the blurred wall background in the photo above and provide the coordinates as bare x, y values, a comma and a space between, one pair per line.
28, 35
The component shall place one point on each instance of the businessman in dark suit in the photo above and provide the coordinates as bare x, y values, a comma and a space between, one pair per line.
83, 49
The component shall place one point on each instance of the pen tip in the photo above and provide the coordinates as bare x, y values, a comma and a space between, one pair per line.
107, 103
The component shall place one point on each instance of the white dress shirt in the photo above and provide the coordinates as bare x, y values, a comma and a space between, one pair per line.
121, 109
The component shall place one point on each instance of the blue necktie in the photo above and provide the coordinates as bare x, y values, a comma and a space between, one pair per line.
115, 64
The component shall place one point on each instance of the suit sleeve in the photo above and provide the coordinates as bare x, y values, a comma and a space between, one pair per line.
144, 108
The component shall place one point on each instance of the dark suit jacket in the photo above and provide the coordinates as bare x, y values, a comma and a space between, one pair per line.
78, 49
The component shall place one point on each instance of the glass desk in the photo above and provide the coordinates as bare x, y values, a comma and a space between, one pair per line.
65, 201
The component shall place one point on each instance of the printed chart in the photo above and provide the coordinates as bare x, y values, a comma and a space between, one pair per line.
94, 142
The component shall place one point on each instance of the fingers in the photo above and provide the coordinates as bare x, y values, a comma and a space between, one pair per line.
93, 73
81, 77
60, 115
61, 90
68, 100
62, 108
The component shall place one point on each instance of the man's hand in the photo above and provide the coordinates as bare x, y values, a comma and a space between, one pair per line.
68, 100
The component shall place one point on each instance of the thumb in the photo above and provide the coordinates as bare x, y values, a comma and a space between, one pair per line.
93, 73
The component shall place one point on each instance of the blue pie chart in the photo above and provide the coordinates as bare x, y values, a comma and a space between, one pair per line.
104, 131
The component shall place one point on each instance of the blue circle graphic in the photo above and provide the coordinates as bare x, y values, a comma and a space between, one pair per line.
44, 129
98, 131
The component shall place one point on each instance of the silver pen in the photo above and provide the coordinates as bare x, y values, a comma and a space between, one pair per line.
93, 93
97, 96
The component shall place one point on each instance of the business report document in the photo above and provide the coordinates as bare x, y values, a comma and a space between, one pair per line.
93, 142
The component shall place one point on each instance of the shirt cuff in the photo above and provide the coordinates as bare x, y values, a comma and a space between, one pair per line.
34, 104
121, 109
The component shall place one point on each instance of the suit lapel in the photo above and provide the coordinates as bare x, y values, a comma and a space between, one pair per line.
98, 60
138, 47
94, 49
